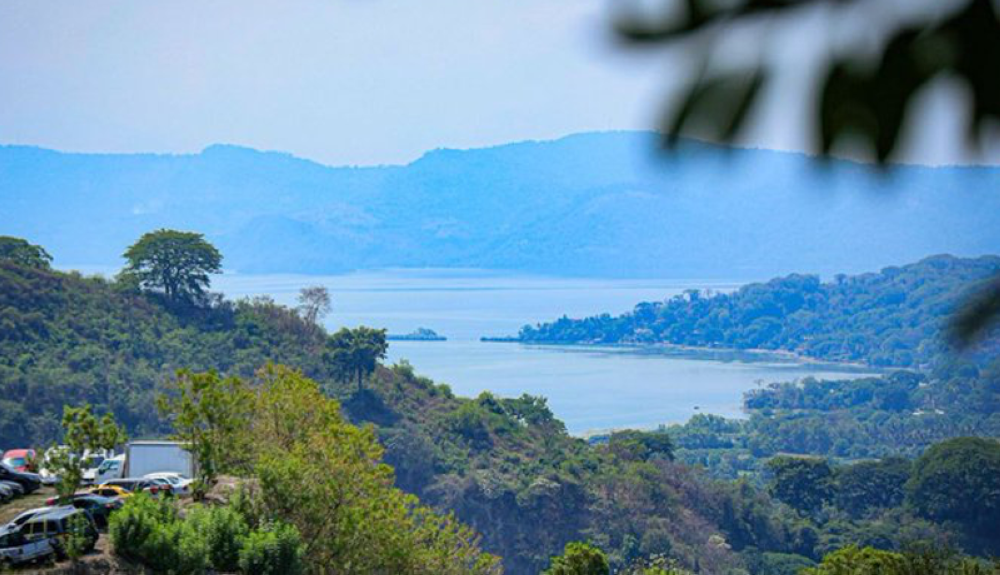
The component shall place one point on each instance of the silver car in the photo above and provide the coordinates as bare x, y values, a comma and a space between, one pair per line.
16, 549
25, 516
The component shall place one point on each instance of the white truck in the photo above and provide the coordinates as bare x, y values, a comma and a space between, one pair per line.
142, 458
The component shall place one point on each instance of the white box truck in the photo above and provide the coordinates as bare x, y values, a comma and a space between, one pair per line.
144, 457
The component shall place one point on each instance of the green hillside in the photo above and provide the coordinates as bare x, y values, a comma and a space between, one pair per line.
504, 466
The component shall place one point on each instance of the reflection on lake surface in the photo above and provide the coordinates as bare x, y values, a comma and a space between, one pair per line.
588, 388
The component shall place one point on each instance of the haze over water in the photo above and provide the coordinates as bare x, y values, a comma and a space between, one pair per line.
588, 388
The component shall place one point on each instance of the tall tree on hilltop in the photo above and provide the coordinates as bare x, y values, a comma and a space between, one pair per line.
314, 303
355, 352
178, 263
22, 253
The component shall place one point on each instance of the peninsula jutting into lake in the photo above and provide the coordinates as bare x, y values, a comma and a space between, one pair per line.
420, 334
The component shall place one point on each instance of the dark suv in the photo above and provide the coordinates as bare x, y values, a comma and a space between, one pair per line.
57, 526
29, 481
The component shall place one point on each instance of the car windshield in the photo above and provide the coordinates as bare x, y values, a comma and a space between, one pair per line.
25, 516
15, 461
109, 464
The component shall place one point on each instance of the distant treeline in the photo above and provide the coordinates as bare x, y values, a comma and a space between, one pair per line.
897, 317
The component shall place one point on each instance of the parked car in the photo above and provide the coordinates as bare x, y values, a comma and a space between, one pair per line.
57, 525
14, 486
135, 485
55, 500
26, 515
18, 459
29, 481
166, 487
181, 484
100, 508
112, 491
16, 549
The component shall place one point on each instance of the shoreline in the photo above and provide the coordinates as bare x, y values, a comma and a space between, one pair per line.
724, 354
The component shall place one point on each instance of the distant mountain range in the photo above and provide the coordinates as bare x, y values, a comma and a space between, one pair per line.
595, 204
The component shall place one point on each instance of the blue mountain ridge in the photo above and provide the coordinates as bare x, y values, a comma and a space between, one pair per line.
596, 204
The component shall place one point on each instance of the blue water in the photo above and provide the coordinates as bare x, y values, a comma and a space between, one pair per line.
590, 389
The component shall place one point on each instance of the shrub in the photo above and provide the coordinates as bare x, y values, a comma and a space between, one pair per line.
175, 548
579, 559
132, 526
78, 542
275, 549
150, 532
223, 530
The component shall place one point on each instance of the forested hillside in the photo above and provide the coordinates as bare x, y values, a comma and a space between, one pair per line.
896, 317
595, 204
505, 466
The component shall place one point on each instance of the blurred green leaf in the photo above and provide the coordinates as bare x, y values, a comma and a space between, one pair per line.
977, 315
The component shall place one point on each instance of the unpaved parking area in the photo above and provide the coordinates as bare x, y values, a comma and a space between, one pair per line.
14, 508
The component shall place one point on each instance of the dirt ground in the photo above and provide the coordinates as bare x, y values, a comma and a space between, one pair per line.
14, 508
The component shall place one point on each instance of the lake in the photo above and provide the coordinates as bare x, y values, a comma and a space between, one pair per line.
588, 388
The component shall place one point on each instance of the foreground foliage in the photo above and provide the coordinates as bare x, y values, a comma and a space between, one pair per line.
153, 533
853, 560
306, 466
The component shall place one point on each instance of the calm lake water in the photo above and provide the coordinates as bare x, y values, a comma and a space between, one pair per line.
588, 388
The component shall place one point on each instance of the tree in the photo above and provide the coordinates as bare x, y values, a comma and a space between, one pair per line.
308, 467
209, 414
355, 352
83, 431
862, 94
641, 445
20, 252
579, 559
314, 303
178, 263
959, 480
855, 561
871, 485
802, 482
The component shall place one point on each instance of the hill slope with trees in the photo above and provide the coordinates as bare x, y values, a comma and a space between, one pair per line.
505, 466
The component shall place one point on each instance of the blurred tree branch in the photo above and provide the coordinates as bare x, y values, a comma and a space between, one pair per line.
861, 97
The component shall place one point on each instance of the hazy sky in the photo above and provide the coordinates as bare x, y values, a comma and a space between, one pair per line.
338, 81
